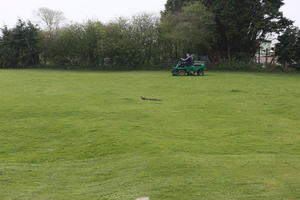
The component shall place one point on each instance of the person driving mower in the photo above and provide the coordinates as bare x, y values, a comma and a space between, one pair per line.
188, 61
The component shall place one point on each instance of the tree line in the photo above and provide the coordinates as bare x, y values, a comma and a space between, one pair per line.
220, 30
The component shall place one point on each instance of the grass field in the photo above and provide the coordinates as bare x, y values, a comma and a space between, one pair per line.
67, 135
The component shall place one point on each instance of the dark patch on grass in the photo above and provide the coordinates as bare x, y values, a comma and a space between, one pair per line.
236, 91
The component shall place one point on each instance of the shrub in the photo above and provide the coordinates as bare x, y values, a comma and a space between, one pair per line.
237, 65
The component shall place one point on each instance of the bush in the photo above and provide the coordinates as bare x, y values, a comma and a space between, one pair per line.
236, 65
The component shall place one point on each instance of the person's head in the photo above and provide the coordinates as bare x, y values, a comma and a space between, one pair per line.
188, 54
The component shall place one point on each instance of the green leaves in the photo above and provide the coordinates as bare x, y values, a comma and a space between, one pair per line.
288, 48
19, 45
221, 29
240, 25
120, 44
193, 29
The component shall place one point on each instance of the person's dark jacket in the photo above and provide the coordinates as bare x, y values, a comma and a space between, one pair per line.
188, 60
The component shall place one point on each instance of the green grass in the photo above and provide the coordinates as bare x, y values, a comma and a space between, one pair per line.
68, 135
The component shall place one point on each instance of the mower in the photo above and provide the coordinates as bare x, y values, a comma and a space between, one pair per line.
196, 69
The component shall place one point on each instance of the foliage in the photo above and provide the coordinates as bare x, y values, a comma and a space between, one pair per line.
192, 29
238, 65
219, 30
176, 5
74, 45
240, 25
132, 42
19, 45
288, 48
121, 44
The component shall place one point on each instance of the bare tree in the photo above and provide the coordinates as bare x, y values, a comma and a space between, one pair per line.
51, 19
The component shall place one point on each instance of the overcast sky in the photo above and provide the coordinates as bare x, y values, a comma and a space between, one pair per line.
103, 10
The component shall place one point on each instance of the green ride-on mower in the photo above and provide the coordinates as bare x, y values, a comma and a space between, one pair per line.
196, 69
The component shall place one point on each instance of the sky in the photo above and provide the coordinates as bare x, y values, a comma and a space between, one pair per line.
78, 10
103, 10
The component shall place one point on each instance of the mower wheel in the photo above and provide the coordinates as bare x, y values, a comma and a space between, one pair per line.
182, 72
175, 72
200, 73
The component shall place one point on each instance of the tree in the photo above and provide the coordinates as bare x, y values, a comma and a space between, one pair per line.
19, 45
288, 48
192, 29
176, 5
93, 34
145, 33
50, 19
131, 43
241, 26
74, 45
297, 50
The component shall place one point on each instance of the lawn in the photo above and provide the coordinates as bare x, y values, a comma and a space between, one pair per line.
71, 135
